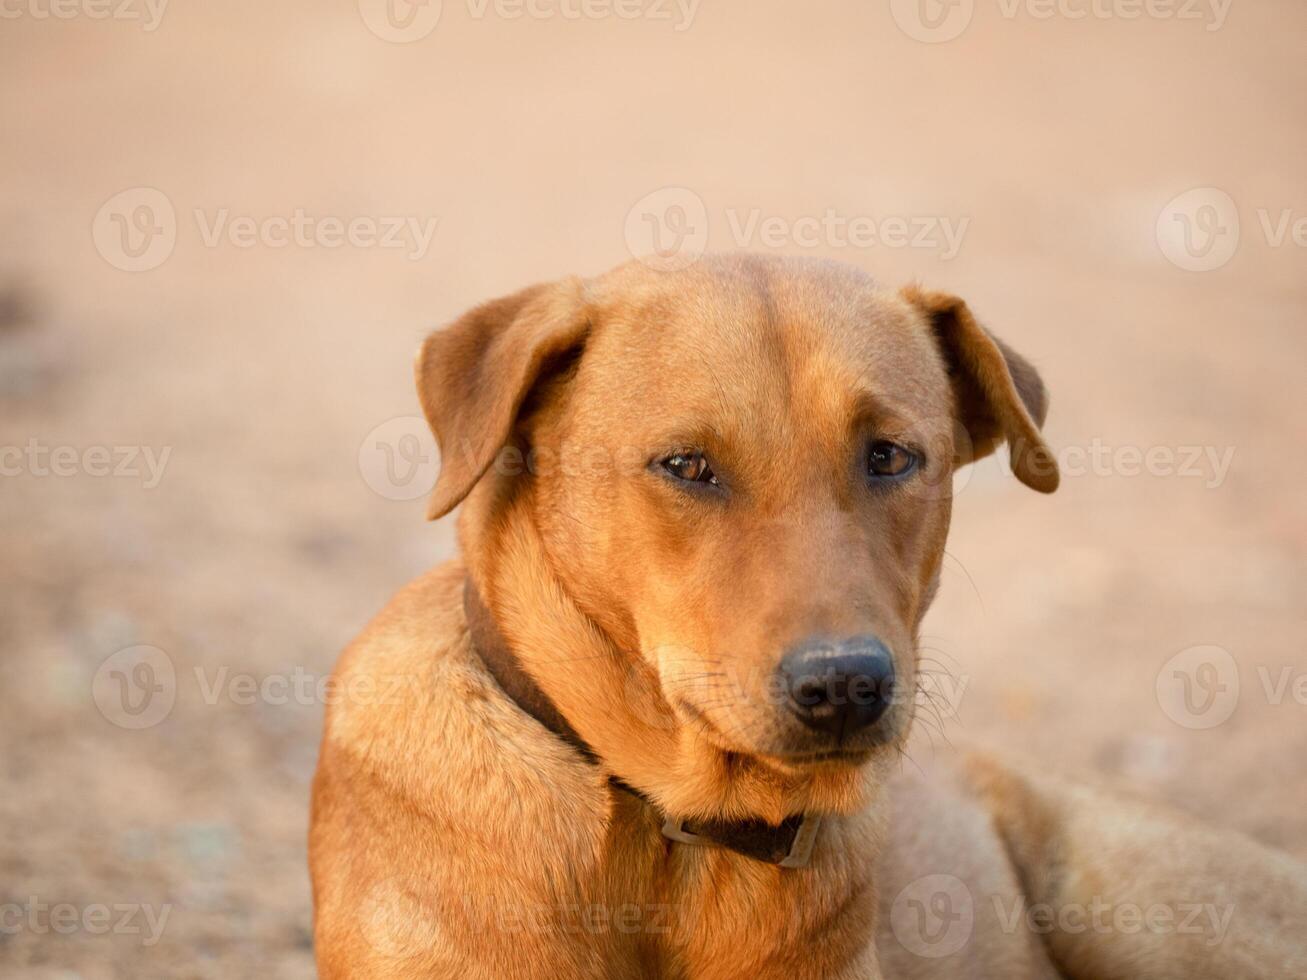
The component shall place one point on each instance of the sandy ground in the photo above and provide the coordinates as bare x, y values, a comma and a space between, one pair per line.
263, 371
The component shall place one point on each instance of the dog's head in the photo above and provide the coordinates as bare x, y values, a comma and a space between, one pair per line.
741, 473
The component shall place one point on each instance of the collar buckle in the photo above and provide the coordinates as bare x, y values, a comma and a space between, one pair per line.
798, 856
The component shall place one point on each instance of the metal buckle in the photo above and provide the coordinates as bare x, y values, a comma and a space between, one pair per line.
675, 830
805, 838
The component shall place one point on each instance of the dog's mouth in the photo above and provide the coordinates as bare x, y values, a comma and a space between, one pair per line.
774, 749
846, 757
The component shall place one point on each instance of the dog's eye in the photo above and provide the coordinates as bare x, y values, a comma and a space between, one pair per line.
886, 459
690, 467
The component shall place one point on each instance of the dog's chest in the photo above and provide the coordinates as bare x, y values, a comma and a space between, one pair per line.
615, 899
684, 912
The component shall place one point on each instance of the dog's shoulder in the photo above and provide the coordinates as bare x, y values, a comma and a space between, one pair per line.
421, 627
427, 776
399, 683
415, 713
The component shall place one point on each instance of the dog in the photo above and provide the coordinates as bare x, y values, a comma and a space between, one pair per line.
651, 722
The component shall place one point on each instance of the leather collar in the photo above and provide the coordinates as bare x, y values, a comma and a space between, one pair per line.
788, 845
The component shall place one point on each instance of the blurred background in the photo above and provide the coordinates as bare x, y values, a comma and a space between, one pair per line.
224, 229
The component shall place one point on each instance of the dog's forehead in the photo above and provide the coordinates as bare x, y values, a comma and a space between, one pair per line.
753, 329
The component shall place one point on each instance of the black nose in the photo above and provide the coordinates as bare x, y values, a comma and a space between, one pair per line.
840, 688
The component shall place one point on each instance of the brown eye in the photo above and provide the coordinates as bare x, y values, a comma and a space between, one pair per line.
690, 467
887, 459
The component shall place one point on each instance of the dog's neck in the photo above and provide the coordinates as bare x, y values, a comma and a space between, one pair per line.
787, 844
614, 705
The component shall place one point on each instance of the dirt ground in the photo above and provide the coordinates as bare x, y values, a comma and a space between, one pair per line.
262, 529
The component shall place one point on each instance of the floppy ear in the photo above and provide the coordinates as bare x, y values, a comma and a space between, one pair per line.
998, 395
474, 375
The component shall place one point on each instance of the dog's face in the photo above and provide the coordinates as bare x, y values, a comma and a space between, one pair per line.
742, 473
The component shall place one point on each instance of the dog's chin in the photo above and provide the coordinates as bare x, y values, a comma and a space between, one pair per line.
828, 759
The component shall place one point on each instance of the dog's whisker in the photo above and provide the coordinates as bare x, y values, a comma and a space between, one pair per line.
922, 648
932, 727
957, 561
904, 755
577, 520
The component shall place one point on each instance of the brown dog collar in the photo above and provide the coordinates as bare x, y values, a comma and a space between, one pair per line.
787, 845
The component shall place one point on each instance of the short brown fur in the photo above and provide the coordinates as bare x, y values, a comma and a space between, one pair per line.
454, 836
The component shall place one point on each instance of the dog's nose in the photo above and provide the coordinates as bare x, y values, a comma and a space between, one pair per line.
840, 688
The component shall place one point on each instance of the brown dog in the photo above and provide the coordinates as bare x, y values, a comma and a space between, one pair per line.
649, 728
